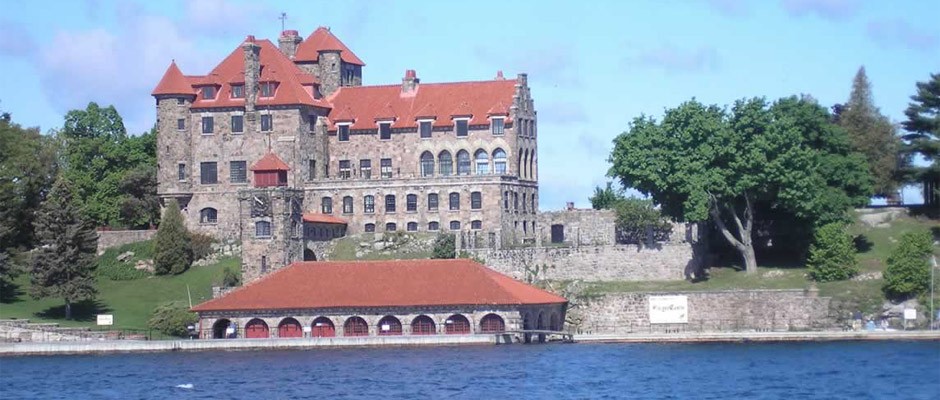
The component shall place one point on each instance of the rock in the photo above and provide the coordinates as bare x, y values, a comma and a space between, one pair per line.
773, 274
125, 256
379, 246
145, 265
881, 217
364, 244
870, 276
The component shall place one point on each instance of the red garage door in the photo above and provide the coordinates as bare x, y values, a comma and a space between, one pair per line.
289, 328
256, 329
323, 327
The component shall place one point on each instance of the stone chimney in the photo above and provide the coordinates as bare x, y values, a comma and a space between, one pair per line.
409, 84
288, 43
252, 72
499, 76
569, 206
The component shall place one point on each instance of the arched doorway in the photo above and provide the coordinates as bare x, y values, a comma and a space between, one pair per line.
289, 328
220, 329
423, 325
457, 325
322, 327
356, 326
309, 255
389, 326
257, 329
540, 325
492, 323
554, 322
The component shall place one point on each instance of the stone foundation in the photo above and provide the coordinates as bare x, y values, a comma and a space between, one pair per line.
109, 239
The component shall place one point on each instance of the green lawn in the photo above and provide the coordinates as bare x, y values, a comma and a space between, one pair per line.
408, 246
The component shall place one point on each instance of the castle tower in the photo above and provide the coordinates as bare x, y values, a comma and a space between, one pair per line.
324, 56
174, 96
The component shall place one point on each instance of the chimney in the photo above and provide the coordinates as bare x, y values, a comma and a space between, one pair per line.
499, 76
569, 206
288, 43
252, 72
409, 84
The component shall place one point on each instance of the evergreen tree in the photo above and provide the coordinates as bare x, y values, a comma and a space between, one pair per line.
908, 272
923, 125
173, 248
872, 134
63, 265
444, 246
832, 254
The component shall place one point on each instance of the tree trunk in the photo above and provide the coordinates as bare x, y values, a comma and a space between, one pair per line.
68, 310
743, 243
750, 261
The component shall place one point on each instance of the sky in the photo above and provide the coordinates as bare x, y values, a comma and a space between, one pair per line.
593, 66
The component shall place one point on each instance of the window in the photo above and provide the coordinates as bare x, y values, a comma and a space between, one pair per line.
385, 131
476, 224
238, 91
462, 127
181, 172
463, 162
455, 225
208, 215
267, 89
207, 125
411, 202
386, 164
238, 171
412, 227
506, 200
391, 227
434, 225
483, 162
523, 201
365, 169
432, 201
347, 205
454, 201
446, 163
326, 205
344, 169
368, 204
180, 101
476, 200
208, 173
499, 161
262, 229
267, 122
427, 164
264, 264
208, 92
342, 131
515, 201
424, 127
311, 123
181, 124
389, 203
311, 170
496, 126
238, 124
532, 200
370, 228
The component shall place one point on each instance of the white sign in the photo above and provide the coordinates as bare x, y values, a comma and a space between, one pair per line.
669, 309
307, 329
105, 319
386, 328
910, 313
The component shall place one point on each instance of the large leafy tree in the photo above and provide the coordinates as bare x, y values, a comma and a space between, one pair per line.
923, 137
705, 163
63, 264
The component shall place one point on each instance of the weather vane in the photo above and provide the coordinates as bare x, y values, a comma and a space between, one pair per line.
283, 18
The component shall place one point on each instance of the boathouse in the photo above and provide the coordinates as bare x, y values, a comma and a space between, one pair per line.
380, 298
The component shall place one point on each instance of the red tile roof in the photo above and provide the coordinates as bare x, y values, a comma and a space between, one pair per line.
323, 39
173, 82
440, 100
270, 162
397, 283
323, 219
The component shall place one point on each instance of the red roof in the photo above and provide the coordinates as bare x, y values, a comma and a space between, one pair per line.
270, 162
320, 40
397, 283
441, 100
173, 82
323, 219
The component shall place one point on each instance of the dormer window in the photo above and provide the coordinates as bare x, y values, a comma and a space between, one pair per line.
425, 128
496, 126
462, 127
385, 131
267, 89
342, 131
208, 92
238, 91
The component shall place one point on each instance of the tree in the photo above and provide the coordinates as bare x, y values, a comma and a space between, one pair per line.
908, 272
173, 251
63, 265
832, 255
872, 134
703, 163
605, 199
173, 319
141, 206
923, 137
444, 246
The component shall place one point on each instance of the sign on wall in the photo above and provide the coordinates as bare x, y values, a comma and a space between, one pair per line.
105, 319
669, 309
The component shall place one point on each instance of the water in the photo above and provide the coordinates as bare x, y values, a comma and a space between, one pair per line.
846, 370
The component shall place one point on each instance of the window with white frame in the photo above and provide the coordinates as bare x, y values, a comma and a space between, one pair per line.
499, 161
368, 204
483, 162
365, 169
238, 91
386, 166
344, 169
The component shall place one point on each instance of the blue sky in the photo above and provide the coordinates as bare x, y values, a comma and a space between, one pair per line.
593, 65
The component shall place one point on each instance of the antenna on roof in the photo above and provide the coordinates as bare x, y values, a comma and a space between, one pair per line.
283, 18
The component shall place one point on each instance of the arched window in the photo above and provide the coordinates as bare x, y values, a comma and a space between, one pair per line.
411, 203
423, 325
499, 161
492, 323
457, 325
347, 205
390, 203
454, 201
389, 326
446, 163
427, 164
256, 329
476, 224
391, 227
326, 205
368, 204
208, 215
289, 328
370, 227
432, 201
519, 166
525, 164
412, 227
434, 226
476, 200
455, 225
532, 165
262, 229
463, 162
355, 326
322, 327
223, 329
483, 162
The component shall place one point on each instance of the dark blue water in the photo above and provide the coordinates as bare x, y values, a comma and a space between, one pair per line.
905, 370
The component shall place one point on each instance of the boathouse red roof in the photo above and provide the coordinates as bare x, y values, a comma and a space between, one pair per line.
320, 218
396, 283
324, 40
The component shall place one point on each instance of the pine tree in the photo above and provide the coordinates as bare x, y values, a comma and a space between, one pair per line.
63, 265
923, 125
872, 134
173, 248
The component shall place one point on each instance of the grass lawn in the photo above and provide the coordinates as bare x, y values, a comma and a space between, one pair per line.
409, 246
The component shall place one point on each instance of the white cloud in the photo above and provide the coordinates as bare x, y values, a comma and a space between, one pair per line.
221, 18
890, 33
15, 40
829, 9
671, 58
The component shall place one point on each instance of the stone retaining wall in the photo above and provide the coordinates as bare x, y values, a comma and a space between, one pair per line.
109, 239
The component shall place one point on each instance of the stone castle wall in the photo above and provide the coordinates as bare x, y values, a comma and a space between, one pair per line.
109, 239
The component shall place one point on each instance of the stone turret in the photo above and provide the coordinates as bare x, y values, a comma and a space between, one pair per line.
288, 43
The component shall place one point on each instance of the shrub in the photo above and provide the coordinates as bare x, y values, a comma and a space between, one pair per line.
444, 246
908, 272
638, 217
832, 254
202, 245
110, 268
173, 251
172, 319
231, 277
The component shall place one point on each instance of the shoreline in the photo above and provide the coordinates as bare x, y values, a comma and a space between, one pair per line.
145, 346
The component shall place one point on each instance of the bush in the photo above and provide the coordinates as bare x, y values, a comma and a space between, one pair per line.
173, 251
636, 217
172, 319
832, 254
231, 277
444, 246
908, 272
202, 245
